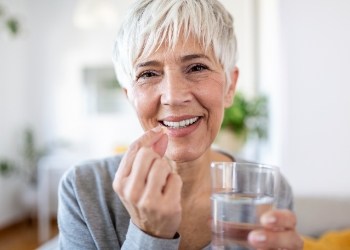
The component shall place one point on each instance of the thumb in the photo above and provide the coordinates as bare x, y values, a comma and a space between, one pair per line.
161, 145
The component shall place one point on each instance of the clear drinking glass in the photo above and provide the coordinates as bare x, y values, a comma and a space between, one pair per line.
241, 193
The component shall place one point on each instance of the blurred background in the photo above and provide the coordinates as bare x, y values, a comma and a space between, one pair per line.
60, 102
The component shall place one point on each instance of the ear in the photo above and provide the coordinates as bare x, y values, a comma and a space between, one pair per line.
125, 90
231, 89
128, 93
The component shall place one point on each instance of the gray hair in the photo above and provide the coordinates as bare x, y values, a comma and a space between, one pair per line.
150, 23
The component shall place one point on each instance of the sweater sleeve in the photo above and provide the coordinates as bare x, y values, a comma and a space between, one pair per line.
137, 239
285, 198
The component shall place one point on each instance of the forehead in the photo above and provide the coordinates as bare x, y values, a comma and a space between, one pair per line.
182, 48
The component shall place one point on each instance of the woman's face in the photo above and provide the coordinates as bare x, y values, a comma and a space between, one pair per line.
184, 90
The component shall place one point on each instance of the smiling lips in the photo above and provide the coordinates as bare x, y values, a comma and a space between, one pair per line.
180, 124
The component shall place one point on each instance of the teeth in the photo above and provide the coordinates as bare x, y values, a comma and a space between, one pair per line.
180, 124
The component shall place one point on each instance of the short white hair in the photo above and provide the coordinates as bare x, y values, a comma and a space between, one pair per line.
151, 23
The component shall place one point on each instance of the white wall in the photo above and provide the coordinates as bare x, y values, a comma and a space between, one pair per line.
243, 12
312, 80
12, 84
13, 112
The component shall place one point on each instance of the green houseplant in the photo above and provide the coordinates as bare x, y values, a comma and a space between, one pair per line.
10, 23
6, 167
31, 155
246, 118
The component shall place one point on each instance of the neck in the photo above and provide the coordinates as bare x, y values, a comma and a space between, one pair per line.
195, 175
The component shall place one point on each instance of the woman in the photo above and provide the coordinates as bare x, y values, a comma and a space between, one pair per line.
176, 62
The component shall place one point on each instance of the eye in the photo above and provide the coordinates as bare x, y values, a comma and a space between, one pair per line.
198, 68
145, 75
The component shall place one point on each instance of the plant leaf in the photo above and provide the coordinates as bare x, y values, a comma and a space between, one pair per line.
13, 25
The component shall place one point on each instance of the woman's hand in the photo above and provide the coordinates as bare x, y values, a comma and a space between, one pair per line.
278, 232
148, 188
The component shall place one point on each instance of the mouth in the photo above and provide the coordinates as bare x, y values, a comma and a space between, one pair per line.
180, 124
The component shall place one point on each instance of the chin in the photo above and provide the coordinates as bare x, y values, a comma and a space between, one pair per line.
183, 154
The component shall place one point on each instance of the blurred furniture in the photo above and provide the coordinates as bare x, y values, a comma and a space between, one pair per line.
50, 170
320, 214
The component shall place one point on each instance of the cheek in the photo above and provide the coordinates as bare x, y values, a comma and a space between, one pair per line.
145, 106
214, 98
214, 93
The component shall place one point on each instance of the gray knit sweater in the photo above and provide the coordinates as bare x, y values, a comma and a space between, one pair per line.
91, 215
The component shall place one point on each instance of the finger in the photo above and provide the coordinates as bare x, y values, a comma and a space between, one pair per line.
157, 177
266, 239
173, 187
142, 164
172, 193
136, 182
161, 145
146, 140
278, 219
125, 166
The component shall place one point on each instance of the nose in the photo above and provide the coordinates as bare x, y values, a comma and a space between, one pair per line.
175, 89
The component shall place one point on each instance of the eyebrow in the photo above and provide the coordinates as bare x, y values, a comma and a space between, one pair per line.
182, 59
148, 63
193, 56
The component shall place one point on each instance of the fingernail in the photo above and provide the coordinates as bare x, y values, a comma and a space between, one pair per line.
257, 237
269, 219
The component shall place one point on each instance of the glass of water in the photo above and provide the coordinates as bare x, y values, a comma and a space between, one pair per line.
241, 193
